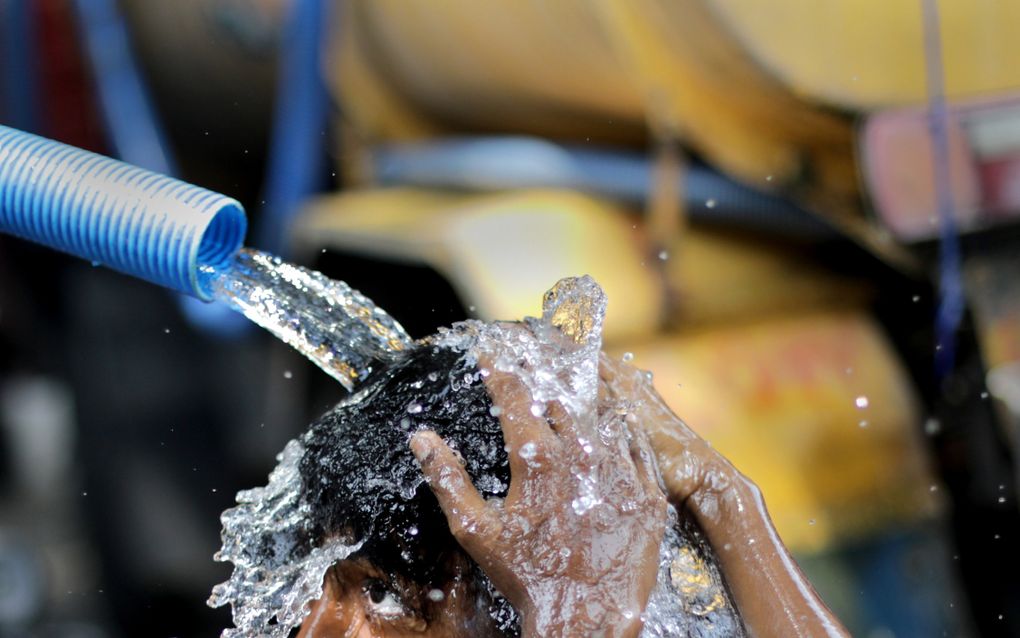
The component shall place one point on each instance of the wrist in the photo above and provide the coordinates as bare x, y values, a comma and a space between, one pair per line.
726, 502
609, 628
580, 612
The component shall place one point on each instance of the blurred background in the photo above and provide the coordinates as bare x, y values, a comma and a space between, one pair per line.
815, 254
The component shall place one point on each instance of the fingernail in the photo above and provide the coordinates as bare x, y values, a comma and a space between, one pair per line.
419, 446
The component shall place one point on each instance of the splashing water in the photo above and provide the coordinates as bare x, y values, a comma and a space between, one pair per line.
266, 537
336, 327
273, 536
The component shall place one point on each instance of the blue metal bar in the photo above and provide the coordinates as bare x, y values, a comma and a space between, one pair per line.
951, 303
131, 123
296, 157
506, 163
18, 56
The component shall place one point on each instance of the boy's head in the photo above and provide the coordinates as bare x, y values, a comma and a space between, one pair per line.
361, 481
347, 508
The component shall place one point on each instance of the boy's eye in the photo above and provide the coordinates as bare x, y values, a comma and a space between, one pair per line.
381, 600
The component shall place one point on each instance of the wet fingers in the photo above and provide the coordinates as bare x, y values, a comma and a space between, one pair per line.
471, 520
523, 420
644, 462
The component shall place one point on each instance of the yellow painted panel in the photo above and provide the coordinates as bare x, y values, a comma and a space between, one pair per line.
603, 70
500, 252
781, 398
503, 251
717, 275
866, 54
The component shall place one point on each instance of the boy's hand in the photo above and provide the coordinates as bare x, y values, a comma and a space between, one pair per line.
575, 544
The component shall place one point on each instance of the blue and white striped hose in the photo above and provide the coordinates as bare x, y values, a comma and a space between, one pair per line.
129, 219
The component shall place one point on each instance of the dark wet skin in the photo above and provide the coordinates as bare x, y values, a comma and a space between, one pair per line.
774, 597
603, 582
567, 574
356, 604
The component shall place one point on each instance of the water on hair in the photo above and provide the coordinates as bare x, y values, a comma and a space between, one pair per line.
280, 556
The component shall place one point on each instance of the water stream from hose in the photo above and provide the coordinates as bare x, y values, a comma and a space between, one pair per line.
336, 327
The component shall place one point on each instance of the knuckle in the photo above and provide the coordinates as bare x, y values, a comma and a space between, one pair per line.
658, 500
467, 528
535, 454
457, 528
451, 479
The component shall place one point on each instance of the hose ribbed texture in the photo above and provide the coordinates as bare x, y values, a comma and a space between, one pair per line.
138, 222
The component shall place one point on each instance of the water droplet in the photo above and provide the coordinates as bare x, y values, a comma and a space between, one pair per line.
528, 451
287, 374
768, 178
412, 530
495, 410
414, 408
984, 395
628, 356
582, 504
861, 402
84, 493
933, 488
436, 595
932, 426
166, 331
537, 409
811, 522
710, 203
863, 423
916, 298
663, 255
214, 490
1002, 499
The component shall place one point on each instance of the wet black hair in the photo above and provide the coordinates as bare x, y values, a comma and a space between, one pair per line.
360, 479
